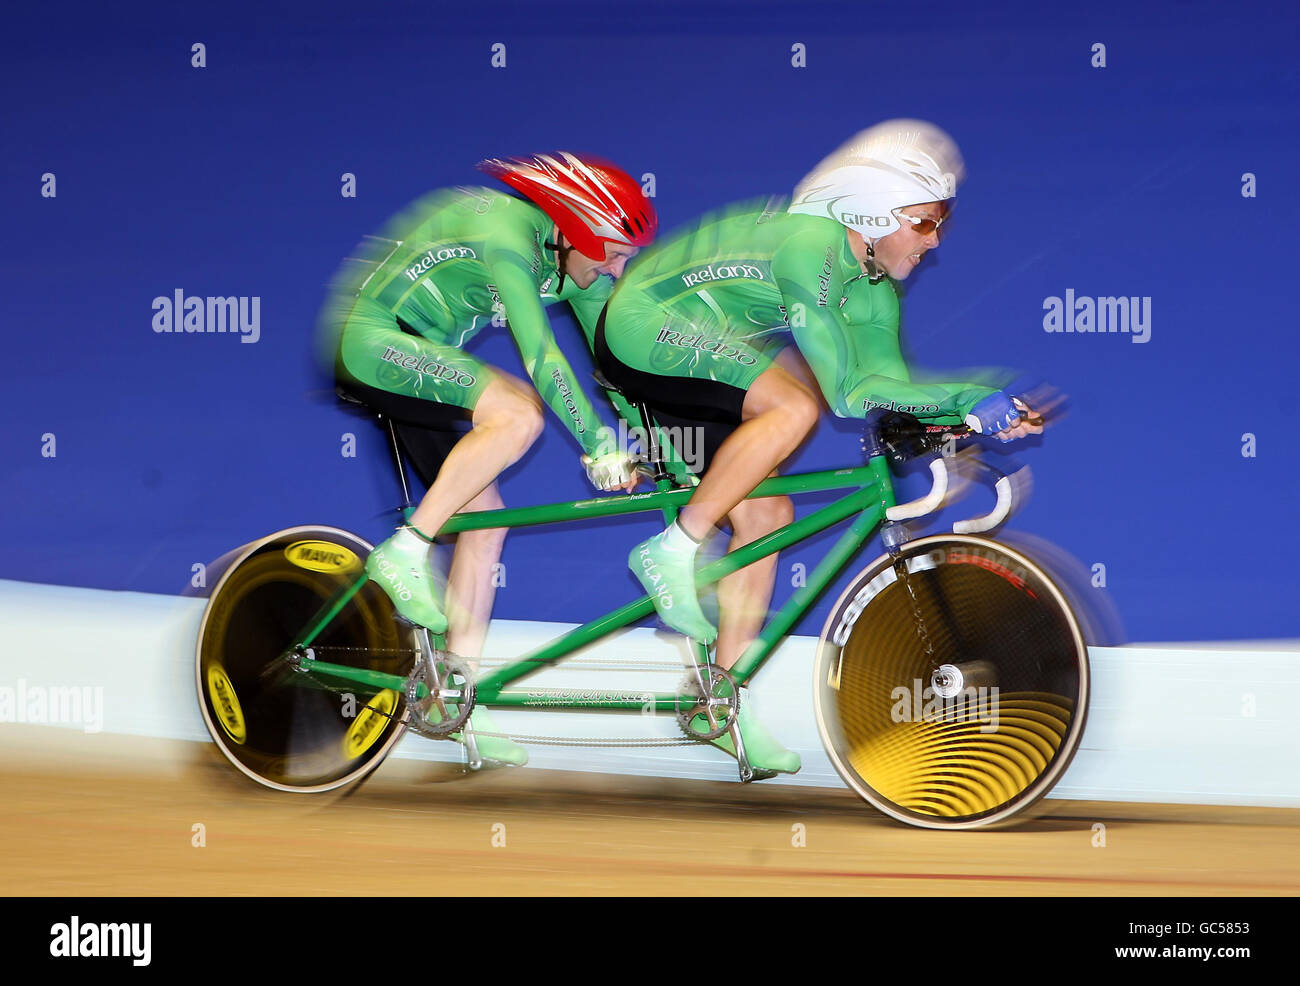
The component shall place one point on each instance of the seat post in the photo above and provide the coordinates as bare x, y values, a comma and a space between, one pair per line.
395, 450
654, 452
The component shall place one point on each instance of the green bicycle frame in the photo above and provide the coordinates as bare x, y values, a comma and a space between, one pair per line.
871, 493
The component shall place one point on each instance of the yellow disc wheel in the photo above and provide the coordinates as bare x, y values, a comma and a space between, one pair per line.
286, 729
952, 692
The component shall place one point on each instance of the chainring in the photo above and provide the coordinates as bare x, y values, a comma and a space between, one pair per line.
448, 681
708, 706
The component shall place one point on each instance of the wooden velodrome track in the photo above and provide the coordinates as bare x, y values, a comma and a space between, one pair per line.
116, 816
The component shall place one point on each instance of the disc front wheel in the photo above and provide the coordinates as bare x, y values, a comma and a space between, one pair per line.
951, 683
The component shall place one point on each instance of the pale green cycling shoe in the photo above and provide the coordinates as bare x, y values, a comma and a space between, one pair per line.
763, 750
669, 578
400, 566
500, 749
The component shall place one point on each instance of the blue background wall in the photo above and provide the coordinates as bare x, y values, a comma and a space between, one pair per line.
225, 181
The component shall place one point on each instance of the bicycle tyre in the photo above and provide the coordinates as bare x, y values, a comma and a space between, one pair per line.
916, 754
286, 729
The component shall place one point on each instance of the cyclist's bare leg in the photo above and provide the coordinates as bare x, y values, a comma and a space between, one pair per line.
506, 420
470, 582
792, 360
778, 414
744, 596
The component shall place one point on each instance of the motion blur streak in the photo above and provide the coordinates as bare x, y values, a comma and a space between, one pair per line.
116, 815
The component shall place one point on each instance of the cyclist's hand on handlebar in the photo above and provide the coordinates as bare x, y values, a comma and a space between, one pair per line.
1039, 404
1005, 417
612, 471
1030, 423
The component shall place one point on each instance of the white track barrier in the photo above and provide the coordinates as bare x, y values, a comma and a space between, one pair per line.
1177, 723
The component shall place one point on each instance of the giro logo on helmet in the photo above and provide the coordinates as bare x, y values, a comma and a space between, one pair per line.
857, 219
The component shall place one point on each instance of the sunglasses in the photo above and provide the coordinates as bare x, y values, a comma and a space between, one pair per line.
926, 226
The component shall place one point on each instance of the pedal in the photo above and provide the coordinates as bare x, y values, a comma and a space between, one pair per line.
473, 759
742, 761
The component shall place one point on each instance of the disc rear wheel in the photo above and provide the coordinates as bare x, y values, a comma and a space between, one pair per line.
284, 728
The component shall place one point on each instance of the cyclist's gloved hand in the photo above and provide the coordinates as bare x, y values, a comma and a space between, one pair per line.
610, 470
996, 413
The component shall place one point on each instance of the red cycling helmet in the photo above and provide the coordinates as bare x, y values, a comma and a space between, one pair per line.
590, 200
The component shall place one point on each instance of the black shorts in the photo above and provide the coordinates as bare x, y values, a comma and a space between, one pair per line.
677, 403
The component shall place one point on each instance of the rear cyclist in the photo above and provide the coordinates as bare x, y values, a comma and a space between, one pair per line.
749, 316
396, 327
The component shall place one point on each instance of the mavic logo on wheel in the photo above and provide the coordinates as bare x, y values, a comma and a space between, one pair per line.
367, 727
226, 704
663, 599
321, 556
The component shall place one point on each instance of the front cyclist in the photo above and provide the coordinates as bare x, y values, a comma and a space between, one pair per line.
700, 330
445, 269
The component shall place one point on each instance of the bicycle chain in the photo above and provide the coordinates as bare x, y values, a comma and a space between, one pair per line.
615, 742
900, 566
368, 650
604, 666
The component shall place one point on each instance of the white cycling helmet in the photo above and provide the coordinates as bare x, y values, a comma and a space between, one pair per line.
883, 168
